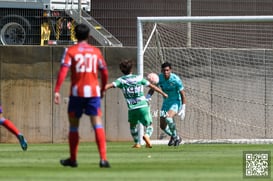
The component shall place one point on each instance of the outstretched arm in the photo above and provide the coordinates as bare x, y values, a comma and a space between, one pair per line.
109, 86
155, 88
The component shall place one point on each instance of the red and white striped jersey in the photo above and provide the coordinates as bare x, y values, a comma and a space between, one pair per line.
85, 61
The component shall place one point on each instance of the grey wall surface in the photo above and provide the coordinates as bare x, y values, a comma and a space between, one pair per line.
28, 76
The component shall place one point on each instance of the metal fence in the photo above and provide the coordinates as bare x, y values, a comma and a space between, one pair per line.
119, 17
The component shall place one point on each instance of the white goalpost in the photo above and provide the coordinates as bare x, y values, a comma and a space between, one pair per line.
226, 65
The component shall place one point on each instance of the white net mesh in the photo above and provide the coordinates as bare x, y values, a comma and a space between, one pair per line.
227, 72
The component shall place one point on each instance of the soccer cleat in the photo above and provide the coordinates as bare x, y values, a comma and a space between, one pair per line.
172, 141
147, 141
104, 164
177, 141
69, 162
136, 146
23, 142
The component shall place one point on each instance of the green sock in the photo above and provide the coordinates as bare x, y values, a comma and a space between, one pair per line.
149, 130
168, 131
171, 125
134, 133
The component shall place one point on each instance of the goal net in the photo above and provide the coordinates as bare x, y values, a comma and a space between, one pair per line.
226, 65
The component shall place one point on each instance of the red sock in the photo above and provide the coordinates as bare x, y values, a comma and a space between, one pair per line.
11, 127
73, 144
101, 142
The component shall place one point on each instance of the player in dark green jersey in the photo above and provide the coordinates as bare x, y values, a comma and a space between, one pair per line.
132, 86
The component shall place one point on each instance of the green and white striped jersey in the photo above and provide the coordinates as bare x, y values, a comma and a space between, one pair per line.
133, 90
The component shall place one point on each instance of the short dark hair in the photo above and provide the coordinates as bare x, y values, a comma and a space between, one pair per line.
166, 64
126, 66
82, 32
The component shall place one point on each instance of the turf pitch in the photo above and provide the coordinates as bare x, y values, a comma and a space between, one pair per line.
204, 162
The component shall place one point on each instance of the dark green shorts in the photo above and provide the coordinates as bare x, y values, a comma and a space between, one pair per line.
140, 115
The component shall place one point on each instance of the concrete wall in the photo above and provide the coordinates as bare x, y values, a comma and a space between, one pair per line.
28, 76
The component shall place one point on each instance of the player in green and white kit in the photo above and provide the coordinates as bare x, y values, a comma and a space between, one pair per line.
174, 104
138, 108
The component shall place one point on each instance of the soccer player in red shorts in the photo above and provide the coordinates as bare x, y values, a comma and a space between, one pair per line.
12, 128
85, 62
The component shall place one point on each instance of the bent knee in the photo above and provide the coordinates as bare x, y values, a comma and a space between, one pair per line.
163, 123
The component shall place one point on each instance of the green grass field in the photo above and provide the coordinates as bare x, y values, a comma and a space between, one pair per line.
204, 162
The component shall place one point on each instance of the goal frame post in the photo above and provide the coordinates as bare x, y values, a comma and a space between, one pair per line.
190, 19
